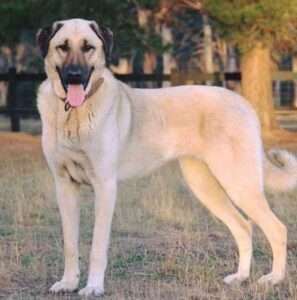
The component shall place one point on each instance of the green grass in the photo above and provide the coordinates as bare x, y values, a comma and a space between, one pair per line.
164, 244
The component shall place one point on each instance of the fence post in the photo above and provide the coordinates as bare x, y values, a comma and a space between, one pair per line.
12, 101
159, 80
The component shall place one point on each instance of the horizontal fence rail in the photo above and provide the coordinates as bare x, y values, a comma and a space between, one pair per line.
123, 77
177, 77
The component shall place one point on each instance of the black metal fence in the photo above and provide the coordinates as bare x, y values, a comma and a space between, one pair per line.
15, 110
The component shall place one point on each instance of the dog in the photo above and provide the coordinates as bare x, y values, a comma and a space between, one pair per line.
99, 131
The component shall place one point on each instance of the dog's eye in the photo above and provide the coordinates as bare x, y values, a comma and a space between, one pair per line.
86, 48
64, 48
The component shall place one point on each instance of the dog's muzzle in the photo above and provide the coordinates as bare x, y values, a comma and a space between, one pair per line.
74, 76
74, 80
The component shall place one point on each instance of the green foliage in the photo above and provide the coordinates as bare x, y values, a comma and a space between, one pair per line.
17, 15
149, 4
246, 22
120, 16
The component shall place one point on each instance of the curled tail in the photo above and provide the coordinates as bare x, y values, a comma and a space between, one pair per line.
280, 170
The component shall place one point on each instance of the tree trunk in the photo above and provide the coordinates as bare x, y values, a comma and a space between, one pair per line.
149, 57
208, 47
295, 81
256, 70
169, 62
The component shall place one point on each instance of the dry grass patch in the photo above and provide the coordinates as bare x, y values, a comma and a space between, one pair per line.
164, 244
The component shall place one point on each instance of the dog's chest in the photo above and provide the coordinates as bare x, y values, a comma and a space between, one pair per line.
74, 162
74, 127
71, 154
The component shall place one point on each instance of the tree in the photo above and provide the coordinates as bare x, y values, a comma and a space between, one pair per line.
259, 28
121, 16
208, 51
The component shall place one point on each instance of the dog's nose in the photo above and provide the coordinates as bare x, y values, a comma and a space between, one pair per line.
74, 76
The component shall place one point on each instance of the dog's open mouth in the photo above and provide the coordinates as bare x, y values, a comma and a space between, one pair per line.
75, 88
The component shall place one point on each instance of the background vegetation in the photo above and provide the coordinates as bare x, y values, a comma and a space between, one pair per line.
121, 16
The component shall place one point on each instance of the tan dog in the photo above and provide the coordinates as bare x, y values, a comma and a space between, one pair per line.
98, 131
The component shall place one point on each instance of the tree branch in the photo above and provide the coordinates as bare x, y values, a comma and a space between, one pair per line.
197, 5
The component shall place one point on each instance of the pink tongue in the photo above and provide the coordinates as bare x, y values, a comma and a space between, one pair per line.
75, 94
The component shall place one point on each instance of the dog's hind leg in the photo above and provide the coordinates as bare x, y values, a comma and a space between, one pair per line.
210, 193
239, 170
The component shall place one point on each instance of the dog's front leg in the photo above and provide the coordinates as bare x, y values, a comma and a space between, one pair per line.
105, 198
68, 198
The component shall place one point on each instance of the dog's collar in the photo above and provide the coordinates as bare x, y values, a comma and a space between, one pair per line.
93, 90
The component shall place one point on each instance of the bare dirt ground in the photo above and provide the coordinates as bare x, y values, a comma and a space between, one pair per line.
164, 245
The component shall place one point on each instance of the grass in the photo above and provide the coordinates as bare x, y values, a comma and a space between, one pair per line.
164, 245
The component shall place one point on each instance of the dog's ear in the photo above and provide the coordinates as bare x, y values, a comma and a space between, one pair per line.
43, 38
44, 35
106, 36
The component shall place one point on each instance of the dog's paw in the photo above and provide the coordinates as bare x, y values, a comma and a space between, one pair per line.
91, 291
270, 278
235, 278
64, 286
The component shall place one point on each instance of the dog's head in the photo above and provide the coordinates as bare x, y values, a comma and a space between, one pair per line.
76, 52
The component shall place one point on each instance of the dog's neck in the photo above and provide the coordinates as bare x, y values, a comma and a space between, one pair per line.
95, 87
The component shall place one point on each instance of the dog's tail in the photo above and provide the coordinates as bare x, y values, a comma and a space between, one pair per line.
280, 170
